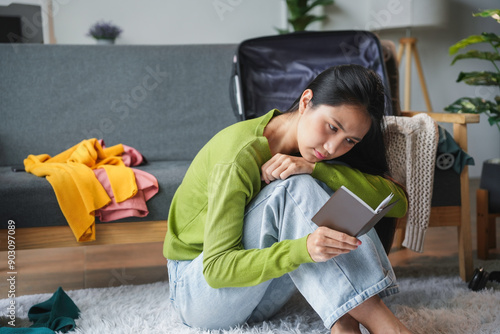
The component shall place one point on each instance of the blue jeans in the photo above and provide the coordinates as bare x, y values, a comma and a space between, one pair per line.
283, 210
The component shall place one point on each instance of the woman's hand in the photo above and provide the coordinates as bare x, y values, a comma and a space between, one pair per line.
281, 166
325, 243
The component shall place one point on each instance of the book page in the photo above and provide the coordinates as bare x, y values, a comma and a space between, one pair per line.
381, 206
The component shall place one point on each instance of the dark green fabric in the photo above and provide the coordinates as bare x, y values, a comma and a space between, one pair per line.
447, 144
56, 314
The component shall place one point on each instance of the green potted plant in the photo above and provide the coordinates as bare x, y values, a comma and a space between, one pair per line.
299, 13
490, 174
104, 32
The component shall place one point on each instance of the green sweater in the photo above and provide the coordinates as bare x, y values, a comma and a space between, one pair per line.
206, 214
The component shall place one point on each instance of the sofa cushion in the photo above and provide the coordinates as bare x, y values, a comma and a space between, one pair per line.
30, 200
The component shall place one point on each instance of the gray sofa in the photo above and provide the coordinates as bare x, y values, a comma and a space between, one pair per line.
166, 101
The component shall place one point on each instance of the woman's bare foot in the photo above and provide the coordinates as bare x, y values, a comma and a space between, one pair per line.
377, 318
346, 324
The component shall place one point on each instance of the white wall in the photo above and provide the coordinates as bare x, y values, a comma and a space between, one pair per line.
169, 21
231, 21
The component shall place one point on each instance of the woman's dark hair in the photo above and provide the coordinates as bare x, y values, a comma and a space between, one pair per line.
358, 86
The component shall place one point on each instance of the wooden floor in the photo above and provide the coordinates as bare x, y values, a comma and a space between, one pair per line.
42, 271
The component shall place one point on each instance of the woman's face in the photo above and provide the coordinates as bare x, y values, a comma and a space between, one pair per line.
326, 132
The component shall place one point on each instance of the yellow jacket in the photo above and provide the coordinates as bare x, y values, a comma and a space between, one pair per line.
78, 191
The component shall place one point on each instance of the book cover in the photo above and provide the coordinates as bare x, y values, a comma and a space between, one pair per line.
345, 212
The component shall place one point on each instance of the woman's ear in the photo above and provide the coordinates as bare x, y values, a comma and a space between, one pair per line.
304, 100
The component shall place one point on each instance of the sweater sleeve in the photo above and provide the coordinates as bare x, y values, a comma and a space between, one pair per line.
225, 262
370, 188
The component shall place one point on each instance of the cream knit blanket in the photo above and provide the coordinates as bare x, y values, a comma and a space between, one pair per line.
411, 152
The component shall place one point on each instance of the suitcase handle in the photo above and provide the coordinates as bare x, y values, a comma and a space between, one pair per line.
235, 92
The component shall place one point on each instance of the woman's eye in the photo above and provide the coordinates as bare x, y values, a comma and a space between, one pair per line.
334, 129
350, 141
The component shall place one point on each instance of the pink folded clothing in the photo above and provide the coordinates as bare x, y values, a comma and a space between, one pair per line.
147, 187
130, 156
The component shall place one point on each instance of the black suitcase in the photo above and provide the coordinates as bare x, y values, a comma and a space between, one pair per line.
271, 72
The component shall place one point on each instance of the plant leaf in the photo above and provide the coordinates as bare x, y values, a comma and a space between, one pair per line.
282, 31
491, 37
473, 105
479, 78
490, 56
320, 3
300, 23
297, 8
474, 39
495, 119
494, 13
477, 106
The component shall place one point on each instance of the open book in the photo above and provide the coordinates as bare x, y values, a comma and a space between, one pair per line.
345, 212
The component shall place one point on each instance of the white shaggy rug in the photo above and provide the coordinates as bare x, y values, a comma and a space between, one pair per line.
433, 299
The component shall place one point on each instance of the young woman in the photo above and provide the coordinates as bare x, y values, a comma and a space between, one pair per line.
240, 238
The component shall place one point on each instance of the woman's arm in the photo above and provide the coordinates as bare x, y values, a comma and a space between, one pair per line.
370, 188
225, 262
